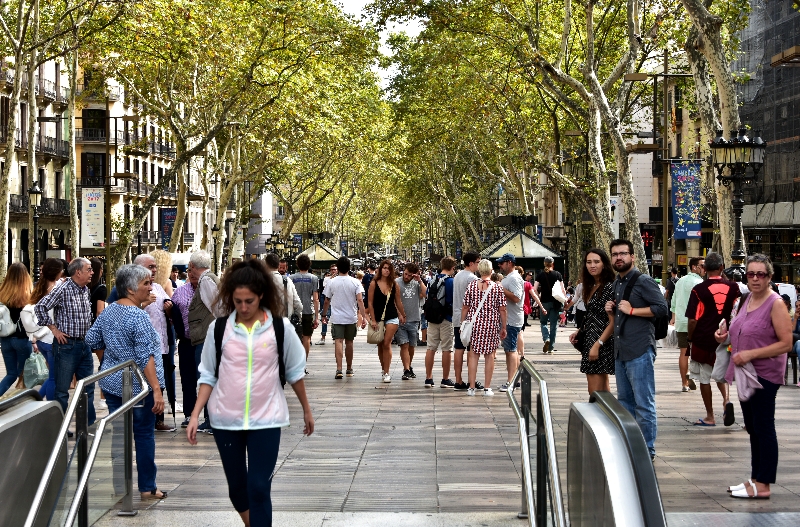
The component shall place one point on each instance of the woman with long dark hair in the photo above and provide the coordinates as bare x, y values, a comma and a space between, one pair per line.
246, 403
41, 336
597, 350
386, 306
97, 289
15, 294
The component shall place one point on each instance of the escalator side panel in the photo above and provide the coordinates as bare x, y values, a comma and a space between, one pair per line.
28, 433
601, 483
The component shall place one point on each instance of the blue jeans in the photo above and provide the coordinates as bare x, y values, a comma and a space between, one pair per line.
328, 314
73, 358
248, 458
15, 352
144, 437
552, 318
636, 390
48, 389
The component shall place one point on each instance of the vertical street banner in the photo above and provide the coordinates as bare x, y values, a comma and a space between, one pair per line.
343, 247
167, 224
686, 200
92, 218
298, 240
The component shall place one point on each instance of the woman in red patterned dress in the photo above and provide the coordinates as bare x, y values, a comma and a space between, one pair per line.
488, 327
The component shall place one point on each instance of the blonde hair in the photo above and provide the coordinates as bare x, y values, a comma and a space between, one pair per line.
164, 267
485, 267
17, 287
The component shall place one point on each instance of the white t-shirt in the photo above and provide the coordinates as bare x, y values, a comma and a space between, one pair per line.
514, 312
460, 282
343, 291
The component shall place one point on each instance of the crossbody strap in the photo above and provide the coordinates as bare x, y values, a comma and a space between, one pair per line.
483, 299
286, 295
387, 299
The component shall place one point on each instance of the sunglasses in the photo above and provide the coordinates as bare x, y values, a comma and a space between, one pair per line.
760, 274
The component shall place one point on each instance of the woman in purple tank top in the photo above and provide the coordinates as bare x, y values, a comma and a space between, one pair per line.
761, 334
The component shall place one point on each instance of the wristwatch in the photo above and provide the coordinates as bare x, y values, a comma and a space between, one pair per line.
601, 342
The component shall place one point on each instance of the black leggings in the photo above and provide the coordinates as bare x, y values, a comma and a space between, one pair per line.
249, 488
759, 419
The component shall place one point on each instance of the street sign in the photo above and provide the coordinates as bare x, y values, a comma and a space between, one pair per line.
92, 218
167, 224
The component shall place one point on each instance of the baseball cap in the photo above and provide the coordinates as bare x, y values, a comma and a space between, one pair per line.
508, 257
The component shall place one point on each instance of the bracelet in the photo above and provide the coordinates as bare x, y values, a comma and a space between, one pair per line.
631, 312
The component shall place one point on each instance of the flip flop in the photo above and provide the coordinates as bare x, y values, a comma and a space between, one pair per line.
740, 486
153, 496
744, 495
727, 417
700, 422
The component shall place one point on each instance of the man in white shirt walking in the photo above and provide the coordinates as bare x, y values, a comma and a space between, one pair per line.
345, 297
514, 289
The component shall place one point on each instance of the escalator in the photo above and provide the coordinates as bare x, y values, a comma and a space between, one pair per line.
610, 476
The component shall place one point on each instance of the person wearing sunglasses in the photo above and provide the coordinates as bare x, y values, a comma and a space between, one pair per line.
760, 336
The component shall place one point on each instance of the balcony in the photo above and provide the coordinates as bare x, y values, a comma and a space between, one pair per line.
18, 204
114, 93
91, 182
98, 135
53, 146
62, 97
153, 237
46, 89
169, 192
54, 207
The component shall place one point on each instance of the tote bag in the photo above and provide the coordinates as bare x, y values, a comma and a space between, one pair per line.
375, 336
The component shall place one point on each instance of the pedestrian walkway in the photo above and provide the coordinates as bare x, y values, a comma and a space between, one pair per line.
401, 454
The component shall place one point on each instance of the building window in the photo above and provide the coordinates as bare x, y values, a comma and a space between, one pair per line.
59, 184
94, 120
43, 182
93, 169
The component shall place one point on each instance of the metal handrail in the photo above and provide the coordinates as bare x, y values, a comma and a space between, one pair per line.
5, 404
80, 396
547, 461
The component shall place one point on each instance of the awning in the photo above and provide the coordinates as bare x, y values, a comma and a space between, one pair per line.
521, 245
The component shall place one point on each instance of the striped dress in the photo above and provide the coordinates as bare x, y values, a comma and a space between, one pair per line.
486, 328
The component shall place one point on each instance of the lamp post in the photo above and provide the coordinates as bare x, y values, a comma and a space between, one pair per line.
215, 230
35, 198
738, 162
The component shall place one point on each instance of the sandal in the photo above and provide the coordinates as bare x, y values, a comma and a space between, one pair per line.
740, 486
744, 495
728, 417
153, 496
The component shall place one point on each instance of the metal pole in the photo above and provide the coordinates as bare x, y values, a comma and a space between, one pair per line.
36, 243
107, 192
82, 443
738, 255
525, 386
665, 175
541, 465
127, 392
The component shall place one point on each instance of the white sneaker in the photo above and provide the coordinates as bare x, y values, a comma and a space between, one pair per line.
488, 391
102, 404
387, 378
471, 392
320, 343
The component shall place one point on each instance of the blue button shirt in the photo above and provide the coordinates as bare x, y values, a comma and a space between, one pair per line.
126, 333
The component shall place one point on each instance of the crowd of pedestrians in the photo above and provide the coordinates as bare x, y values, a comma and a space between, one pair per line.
241, 337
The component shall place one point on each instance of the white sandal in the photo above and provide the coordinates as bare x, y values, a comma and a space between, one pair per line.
740, 486
743, 494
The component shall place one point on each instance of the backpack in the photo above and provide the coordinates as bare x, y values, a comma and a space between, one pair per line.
277, 323
7, 326
434, 306
661, 324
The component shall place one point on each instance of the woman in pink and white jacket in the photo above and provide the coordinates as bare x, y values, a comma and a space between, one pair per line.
246, 403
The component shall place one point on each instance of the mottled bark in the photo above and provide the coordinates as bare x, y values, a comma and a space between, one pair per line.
72, 180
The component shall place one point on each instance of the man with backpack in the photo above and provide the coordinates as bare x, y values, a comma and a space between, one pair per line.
638, 308
439, 313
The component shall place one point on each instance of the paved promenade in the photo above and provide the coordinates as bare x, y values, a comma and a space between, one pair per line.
401, 454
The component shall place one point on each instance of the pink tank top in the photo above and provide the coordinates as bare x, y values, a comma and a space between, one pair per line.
754, 330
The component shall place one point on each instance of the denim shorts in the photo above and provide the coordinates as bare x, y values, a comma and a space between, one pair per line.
407, 333
510, 342
423, 322
395, 321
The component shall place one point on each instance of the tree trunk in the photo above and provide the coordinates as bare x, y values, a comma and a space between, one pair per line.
602, 216
33, 168
11, 164
72, 180
177, 231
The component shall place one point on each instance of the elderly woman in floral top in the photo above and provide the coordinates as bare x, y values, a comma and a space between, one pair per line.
125, 332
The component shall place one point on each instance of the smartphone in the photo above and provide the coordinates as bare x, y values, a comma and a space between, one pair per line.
723, 326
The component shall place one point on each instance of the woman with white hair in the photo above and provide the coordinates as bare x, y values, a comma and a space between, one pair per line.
124, 330
488, 324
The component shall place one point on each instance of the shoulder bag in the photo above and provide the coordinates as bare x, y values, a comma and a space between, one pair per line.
558, 292
375, 336
465, 333
7, 326
295, 319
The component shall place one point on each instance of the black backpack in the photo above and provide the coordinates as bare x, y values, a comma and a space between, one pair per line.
661, 324
434, 307
277, 322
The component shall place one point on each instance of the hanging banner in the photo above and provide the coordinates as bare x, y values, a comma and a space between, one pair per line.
343, 247
167, 224
686, 200
92, 218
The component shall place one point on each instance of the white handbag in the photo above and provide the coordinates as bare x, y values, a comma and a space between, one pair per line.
558, 292
465, 333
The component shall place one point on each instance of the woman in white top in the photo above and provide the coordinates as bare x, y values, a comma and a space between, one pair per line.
41, 336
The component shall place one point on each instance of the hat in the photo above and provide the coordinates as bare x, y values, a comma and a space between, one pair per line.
508, 257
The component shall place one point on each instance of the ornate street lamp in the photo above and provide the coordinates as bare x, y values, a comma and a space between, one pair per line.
35, 198
737, 161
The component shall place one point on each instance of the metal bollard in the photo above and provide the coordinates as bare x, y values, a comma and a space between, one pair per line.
525, 406
541, 465
127, 500
82, 444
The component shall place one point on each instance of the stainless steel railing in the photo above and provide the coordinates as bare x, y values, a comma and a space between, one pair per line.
547, 474
78, 407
